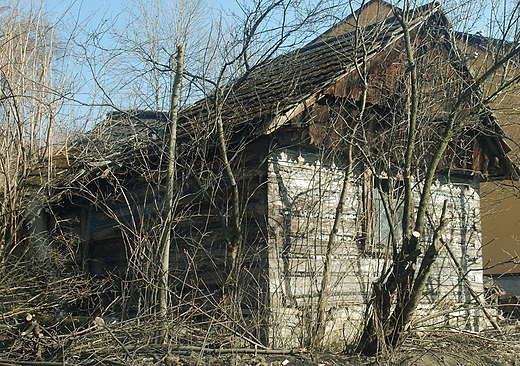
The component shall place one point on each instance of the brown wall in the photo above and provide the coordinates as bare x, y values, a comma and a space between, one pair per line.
500, 202
500, 228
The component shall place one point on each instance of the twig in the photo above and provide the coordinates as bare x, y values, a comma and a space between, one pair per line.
235, 350
117, 363
101, 323
478, 336
30, 363
472, 292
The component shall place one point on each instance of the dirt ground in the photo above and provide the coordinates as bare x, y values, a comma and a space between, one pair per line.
440, 347
427, 348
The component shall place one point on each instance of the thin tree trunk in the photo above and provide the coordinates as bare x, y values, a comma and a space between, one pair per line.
318, 331
234, 251
319, 328
169, 201
378, 328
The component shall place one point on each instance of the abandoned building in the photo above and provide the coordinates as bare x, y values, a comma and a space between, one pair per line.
296, 127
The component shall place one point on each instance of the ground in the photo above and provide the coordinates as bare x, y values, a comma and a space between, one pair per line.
119, 344
441, 347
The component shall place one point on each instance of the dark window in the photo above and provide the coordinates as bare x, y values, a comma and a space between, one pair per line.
378, 219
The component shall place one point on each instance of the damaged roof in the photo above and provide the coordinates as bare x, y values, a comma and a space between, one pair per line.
268, 96
270, 92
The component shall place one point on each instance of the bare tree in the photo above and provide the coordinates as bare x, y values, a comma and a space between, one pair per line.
211, 154
398, 290
170, 188
34, 85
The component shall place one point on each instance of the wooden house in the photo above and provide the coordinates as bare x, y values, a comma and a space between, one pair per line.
499, 200
292, 133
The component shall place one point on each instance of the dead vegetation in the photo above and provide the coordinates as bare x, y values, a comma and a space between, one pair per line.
199, 336
110, 342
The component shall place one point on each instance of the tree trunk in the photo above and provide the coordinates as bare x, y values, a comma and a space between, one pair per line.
231, 300
169, 198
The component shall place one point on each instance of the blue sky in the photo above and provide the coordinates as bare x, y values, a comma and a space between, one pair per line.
96, 10
99, 8
91, 16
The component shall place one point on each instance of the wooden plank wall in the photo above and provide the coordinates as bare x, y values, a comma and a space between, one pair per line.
302, 197
117, 229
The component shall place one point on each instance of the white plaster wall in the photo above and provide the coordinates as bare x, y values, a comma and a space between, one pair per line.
302, 198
